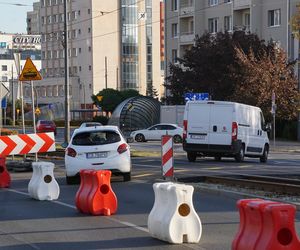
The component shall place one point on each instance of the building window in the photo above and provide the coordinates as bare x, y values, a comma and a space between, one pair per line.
90, 67
274, 18
79, 68
174, 5
213, 25
4, 67
55, 90
89, 30
89, 11
228, 23
213, 2
79, 31
48, 2
227, 1
74, 52
4, 79
174, 30
247, 21
174, 55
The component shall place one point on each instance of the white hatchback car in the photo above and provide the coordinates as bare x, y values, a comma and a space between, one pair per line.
101, 147
155, 132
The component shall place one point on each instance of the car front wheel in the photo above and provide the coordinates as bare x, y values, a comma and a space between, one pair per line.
140, 138
240, 155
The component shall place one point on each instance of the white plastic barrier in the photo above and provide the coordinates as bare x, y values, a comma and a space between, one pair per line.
173, 217
43, 185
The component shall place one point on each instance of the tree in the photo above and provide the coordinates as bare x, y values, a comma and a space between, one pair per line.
236, 67
108, 99
295, 23
151, 91
208, 66
263, 76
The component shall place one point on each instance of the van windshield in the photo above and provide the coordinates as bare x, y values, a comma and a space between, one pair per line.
95, 138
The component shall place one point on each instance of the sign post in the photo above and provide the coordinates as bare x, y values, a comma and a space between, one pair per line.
30, 73
273, 111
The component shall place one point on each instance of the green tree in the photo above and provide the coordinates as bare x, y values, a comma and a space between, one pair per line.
151, 91
208, 66
236, 67
108, 99
295, 23
129, 93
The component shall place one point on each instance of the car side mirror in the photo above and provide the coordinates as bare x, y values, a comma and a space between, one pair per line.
64, 145
267, 127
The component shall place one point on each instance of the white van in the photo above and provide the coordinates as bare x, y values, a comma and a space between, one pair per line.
224, 129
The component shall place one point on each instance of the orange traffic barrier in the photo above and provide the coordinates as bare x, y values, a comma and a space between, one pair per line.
262, 227
4, 174
95, 195
84, 190
279, 229
241, 205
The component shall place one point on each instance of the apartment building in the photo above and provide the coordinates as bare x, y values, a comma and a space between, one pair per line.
269, 19
33, 20
112, 44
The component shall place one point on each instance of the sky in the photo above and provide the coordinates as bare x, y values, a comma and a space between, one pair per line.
12, 17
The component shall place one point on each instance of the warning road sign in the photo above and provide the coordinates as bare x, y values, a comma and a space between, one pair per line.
29, 72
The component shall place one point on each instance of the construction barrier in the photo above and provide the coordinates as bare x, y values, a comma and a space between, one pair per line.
167, 163
27, 143
4, 174
173, 218
95, 195
42, 185
267, 225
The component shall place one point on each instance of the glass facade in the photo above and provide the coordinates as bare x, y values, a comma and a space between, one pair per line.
130, 58
149, 44
8, 54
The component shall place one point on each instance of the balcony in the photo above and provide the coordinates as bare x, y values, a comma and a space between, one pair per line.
187, 37
241, 4
187, 7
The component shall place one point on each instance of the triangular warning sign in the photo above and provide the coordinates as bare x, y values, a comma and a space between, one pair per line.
29, 72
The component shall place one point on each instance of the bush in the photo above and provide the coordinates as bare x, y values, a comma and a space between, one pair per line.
101, 119
286, 129
5, 131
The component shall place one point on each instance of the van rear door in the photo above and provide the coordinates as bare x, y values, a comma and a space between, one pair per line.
221, 118
198, 123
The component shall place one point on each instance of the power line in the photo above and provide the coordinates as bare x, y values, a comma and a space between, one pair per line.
16, 4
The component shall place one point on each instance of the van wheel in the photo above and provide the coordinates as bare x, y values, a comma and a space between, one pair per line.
240, 155
264, 157
191, 156
127, 176
177, 139
218, 158
140, 138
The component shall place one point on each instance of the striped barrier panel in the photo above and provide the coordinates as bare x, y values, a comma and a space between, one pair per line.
167, 156
26, 144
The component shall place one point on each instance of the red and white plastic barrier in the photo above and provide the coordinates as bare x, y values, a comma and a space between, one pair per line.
27, 143
266, 225
167, 162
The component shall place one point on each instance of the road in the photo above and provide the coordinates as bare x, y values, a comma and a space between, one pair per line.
29, 224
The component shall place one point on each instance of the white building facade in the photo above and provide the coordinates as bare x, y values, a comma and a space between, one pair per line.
108, 45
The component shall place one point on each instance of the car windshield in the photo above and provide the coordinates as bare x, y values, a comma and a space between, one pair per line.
92, 124
95, 138
46, 122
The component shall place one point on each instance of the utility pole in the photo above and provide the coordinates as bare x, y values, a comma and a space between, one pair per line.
106, 72
13, 96
117, 77
67, 107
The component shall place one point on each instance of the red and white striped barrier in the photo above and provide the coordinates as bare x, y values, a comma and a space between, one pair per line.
26, 143
167, 156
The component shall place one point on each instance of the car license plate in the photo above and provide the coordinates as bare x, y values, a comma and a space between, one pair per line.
96, 155
198, 137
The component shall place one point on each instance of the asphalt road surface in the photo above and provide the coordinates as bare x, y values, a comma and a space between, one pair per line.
29, 224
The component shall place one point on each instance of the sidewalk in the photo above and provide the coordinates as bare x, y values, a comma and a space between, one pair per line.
285, 146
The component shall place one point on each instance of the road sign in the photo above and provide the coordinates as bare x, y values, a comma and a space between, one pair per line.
26, 143
29, 72
4, 103
99, 97
37, 111
3, 91
196, 96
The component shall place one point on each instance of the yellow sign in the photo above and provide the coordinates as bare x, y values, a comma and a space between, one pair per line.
99, 97
37, 111
29, 72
